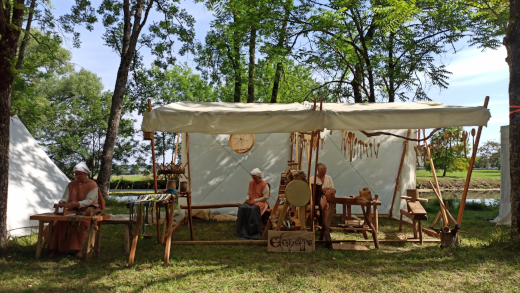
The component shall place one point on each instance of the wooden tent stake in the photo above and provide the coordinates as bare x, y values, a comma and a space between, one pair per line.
470, 170
405, 147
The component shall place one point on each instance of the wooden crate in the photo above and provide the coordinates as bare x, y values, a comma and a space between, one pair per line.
290, 241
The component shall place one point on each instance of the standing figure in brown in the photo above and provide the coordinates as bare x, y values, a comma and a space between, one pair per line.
79, 194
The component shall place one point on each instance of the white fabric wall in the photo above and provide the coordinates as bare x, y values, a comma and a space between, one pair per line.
221, 175
504, 215
35, 183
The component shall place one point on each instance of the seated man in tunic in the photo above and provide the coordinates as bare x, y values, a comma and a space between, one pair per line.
79, 194
328, 187
249, 223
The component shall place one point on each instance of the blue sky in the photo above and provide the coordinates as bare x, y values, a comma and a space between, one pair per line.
476, 73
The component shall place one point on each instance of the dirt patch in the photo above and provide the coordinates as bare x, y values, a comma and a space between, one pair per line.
458, 183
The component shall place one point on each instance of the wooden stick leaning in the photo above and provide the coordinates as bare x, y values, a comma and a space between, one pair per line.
434, 175
470, 170
405, 147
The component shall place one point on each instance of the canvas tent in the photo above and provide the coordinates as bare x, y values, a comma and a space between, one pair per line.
504, 215
219, 174
35, 183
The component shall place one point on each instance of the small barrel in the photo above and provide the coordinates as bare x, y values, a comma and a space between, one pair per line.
184, 187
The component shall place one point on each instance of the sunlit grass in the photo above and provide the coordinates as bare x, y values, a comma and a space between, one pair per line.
474, 267
460, 174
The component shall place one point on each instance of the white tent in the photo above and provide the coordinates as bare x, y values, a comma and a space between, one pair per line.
504, 215
220, 175
35, 183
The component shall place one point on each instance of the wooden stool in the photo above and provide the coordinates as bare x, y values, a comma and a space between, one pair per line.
415, 212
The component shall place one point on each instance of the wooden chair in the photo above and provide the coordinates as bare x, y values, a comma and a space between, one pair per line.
414, 212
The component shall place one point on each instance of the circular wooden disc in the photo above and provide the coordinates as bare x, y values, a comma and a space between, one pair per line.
298, 193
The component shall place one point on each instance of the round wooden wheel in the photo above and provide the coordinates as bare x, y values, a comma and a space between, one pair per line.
298, 193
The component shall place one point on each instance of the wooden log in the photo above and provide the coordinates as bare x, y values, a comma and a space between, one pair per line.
397, 180
470, 170
213, 206
449, 240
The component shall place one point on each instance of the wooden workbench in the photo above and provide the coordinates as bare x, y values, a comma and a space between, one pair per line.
93, 243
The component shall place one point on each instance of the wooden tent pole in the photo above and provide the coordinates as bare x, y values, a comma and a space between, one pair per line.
399, 172
470, 170
174, 157
444, 216
290, 146
315, 171
300, 151
190, 219
153, 152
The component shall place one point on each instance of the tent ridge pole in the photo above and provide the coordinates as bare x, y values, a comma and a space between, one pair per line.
470, 169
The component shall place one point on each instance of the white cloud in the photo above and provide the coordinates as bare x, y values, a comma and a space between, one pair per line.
489, 65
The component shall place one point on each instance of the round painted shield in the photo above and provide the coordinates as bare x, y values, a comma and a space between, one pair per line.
298, 193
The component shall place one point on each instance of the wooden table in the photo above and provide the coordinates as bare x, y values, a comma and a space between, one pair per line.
366, 208
93, 243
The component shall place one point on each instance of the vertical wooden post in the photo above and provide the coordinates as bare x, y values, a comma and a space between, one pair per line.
405, 147
290, 146
153, 152
190, 219
40, 238
316, 171
470, 169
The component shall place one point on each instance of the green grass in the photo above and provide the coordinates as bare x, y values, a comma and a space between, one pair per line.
477, 266
462, 174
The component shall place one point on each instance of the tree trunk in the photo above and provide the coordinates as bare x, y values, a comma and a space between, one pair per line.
279, 65
10, 33
391, 77
251, 82
236, 64
130, 37
276, 83
512, 43
23, 45
356, 84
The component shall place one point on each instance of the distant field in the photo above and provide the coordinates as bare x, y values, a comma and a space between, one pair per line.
476, 174
131, 177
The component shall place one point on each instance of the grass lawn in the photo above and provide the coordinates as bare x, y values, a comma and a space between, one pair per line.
462, 174
477, 266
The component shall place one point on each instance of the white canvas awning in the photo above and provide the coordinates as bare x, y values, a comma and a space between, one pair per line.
229, 118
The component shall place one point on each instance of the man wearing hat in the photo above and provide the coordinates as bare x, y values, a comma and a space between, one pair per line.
249, 223
79, 194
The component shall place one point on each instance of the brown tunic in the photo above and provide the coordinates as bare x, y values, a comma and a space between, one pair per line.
255, 191
74, 240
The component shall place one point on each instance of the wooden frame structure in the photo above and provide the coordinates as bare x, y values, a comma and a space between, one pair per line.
298, 159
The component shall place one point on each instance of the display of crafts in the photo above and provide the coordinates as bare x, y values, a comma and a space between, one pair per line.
170, 171
356, 147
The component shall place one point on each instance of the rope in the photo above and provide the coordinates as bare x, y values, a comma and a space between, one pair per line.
514, 107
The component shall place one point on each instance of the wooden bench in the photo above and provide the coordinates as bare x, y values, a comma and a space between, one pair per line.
414, 212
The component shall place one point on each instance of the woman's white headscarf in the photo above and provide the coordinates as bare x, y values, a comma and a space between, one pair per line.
81, 167
256, 172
